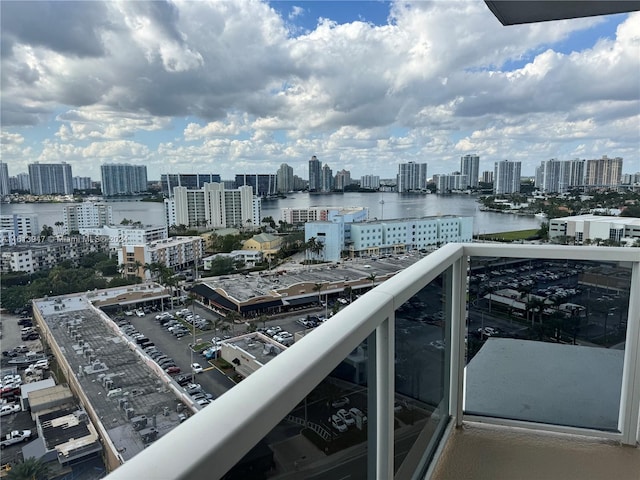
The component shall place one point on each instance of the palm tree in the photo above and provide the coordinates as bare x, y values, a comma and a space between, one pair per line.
317, 287
348, 291
372, 277
59, 226
314, 246
30, 469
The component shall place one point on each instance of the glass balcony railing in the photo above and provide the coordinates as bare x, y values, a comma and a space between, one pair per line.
538, 337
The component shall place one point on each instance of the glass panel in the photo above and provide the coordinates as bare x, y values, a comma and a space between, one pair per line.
546, 340
325, 435
421, 373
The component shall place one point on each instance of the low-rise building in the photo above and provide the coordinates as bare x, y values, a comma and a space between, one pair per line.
264, 242
249, 257
128, 234
595, 228
176, 253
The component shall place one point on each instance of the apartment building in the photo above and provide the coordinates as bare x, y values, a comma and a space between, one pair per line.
50, 179
506, 177
603, 172
123, 179
412, 177
371, 182
284, 179
176, 253
86, 215
191, 181
120, 235
470, 166
315, 174
298, 216
23, 227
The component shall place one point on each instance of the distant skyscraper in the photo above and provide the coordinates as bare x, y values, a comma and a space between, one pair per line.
123, 179
189, 180
554, 176
412, 177
315, 175
284, 178
603, 172
371, 182
470, 166
50, 179
82, 183
343, 179
327, 179
4, 179
20, 182
506, 177
263, 184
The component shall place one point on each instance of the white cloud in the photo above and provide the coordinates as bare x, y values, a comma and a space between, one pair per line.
225, 85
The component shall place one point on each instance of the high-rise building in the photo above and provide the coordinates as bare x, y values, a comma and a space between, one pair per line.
554, 176
4, 179
190, 180
506, 178
603, 172
216, 207
326, 182
86, 215
284, 178
451, 182
372, 182
470, 166
263, 184
82, 183
487, 176
50, 179
123, 179
20, 183
412, 177
315, 175
343, 179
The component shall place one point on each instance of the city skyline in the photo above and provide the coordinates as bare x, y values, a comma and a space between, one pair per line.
132, 82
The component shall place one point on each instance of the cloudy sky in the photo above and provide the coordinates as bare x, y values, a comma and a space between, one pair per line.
241, 87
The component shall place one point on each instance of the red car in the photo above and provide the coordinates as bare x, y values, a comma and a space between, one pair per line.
173, 370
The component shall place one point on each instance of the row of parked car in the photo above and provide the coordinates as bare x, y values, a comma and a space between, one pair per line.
345, 417
164, 361
278, 334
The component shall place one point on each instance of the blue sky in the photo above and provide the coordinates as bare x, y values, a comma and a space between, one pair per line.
242, 87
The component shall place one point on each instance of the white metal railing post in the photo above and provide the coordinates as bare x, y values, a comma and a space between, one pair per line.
385, 345
630, 394
457, 329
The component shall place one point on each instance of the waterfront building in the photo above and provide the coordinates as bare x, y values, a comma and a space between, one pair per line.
371, 182
342, 180
120, 235
470, 166
214, 206
300, 184
298, 216
82, 183
595, 228
341, 237
451, 182
20, 183
487, 176
191, 181
284, 179
265, 243
412, 177
554, 176
176, 253
315, 175
327, 181
170, 211
4, 180
50, 179
603, 172
249, 257
86, 215
263, 185
506, 178
123, 179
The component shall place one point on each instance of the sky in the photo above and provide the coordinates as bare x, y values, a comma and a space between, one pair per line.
239, 86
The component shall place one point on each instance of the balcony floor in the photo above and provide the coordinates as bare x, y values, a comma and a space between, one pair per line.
477, 452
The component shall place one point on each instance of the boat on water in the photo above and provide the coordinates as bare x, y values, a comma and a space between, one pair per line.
541, 215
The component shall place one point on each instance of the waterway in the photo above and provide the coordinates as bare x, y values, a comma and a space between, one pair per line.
385, 206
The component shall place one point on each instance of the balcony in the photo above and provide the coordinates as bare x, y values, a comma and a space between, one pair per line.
479, 361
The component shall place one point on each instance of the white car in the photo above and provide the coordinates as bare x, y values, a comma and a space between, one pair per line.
346, 417
139, 313
340, 402
337, 423
9, 409
356, 412
197, 368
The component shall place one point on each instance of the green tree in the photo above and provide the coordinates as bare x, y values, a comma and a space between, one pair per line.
372, 278
221, 265
46, 231
30, 469
317, 287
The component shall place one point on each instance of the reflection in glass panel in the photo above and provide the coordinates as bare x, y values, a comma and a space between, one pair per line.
324, 436
421, 370
546, 340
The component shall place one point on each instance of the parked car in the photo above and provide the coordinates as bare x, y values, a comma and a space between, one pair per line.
25, 322
337, 423
172, 370
340, 402
9, 409
357, 413
183, 379
197, 368
193, 388
346, 417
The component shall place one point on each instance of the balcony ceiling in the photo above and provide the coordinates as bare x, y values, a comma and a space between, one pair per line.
517, 12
